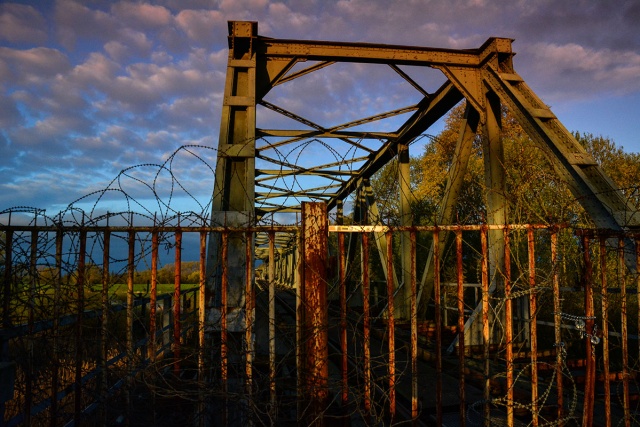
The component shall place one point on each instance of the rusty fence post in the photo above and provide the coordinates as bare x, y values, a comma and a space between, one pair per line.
533, 326
131, 241
605, 329
104, 333
224, 284
508, 324
343, 320
486, 334
437, 299
272, 325
366, 327
153, 298
590, 374
461, 322
391, 329
557, 321
625, 333
315, 227
249, 316
176, 300
414, 331
79, 325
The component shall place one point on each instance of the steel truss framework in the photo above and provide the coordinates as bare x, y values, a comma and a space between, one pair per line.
254, 181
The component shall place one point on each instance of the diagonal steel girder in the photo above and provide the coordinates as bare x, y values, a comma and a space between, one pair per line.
484, 77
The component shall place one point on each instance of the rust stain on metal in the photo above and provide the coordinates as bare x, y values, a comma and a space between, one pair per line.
315, 232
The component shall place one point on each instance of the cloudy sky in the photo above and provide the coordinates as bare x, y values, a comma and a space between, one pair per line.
91, 88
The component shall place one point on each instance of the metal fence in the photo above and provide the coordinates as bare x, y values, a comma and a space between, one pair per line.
548, 337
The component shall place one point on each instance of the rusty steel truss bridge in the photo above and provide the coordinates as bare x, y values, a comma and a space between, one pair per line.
285, 324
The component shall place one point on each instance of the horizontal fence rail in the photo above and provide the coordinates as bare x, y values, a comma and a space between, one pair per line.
526, 324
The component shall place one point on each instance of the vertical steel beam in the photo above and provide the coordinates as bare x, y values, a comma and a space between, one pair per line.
493, 156
315, 229
455, 180
233, 200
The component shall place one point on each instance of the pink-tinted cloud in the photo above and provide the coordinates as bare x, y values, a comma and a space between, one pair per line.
22, 24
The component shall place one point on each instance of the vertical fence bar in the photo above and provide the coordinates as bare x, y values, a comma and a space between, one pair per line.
437, 299
30, 323
249, 308
272, 324
201, 325
508, 308
605, 329
153, 302
223, 325
176, 301
589, 385
131, 241
414, 331
391, 329
55, 370
625, 333
79, 321
557, 321
104, 332
8, 272
6, 316
343, 320
461, 322
486, 339
366, 326
533, 326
